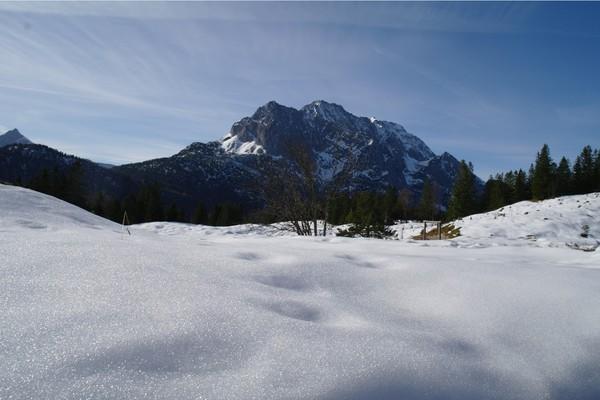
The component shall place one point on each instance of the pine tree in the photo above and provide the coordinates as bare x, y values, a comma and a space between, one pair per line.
135, 207
153, 203
339, 207
226, 214
463, 199
115, 211
493, 195
367, 216
390, 201
41, 183
173, 213
584, 172
543, 185
98, 207
427, 207
521, 189
403, 205
200, 216
74, 191
563, 177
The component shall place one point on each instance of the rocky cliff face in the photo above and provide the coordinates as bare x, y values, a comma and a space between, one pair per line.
382, 153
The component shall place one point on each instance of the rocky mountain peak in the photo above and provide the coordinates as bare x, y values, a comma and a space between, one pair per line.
325, 110
13, 136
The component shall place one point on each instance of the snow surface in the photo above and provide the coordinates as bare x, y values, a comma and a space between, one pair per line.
233, 144
561, 222
172, 312
556, 222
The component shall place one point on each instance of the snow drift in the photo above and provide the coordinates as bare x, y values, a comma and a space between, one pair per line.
87, 312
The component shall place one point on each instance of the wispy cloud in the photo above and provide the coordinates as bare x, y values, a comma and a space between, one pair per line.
155, 76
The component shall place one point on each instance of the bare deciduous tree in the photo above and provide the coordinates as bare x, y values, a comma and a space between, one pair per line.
296, 191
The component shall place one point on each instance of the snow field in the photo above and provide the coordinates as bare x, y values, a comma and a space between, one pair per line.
173, 312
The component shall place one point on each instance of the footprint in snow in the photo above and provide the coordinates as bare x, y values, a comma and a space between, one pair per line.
296, 310
31, 224
284, 282
248, 256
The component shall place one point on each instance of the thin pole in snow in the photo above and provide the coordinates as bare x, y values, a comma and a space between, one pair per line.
123, 226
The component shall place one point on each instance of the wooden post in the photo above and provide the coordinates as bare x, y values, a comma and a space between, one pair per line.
424, 230
440, 230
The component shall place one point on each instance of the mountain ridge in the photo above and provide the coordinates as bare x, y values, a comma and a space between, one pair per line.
383, 151
381, 154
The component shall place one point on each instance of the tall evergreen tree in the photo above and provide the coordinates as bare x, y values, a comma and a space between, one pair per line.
135, 207
563, 177
521, 190
153, 203
390, 201
99, 205
494, 195
463, 199
115, 211
226, 214
404, 204
74, 191
543, 185
41, 183
173, 213
427, 207
584, 172
200, 215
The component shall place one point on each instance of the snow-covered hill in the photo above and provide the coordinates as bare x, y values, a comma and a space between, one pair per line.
89, 312
572, 221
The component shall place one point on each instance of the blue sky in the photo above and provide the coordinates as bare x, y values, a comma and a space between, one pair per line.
119, 82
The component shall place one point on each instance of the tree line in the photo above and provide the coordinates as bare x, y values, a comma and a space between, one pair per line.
369, 213
545, 179
144, 205
298, 194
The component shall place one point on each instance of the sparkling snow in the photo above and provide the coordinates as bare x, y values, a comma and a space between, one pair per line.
171, 312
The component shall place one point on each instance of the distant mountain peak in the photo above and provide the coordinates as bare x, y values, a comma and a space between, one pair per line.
325, 110
13, 136
273, 125
269, 109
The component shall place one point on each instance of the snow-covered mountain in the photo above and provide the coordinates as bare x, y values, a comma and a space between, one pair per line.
382, 153
13, 137
88, 311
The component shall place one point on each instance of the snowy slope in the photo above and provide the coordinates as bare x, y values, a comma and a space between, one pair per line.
557, 222
87, 312
23, 208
